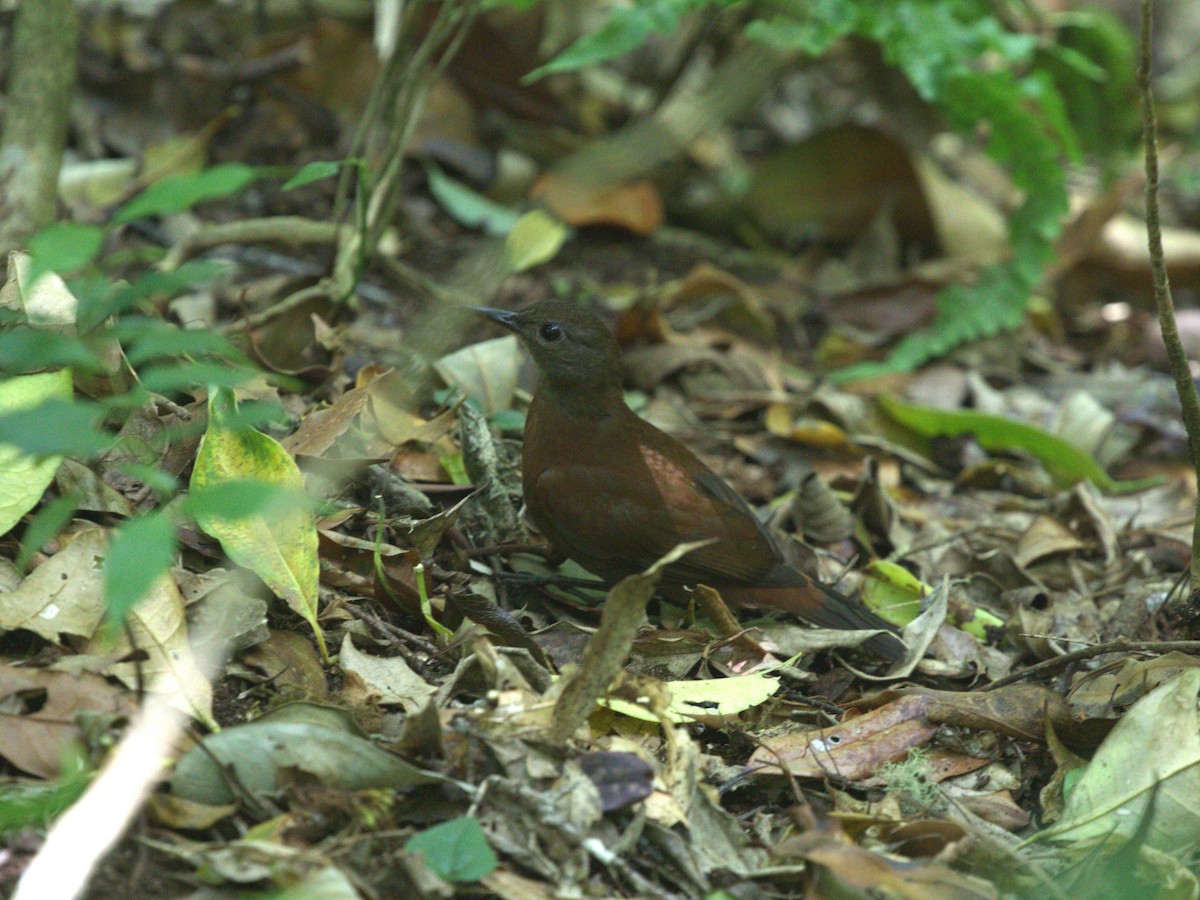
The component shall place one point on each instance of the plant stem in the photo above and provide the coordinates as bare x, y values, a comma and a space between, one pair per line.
1180, 368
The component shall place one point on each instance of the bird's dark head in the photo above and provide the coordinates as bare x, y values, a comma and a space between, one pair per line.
572, 348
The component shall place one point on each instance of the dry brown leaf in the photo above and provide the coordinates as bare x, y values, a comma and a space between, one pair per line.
634, 205
157, 627
40, 708
64, 595
1045, 537
290, 663
853, 750
321, 429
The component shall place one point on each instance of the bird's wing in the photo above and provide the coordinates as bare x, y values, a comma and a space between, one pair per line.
615, 523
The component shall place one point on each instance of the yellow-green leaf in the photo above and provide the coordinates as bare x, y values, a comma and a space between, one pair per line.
705, 697
535, 238
892, 592
24, 478
279, 541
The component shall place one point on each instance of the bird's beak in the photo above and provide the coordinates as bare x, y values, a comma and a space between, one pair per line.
508, 319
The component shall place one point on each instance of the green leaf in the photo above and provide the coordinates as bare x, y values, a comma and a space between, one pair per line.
176, 193
46, 525
145, 339
243, 499
468, 207
167, 379
1141, 783
280, 548
455, 468
56, 427
34, 804
892, 592
626, 29
311, 172
142, 550
1065, 462
456, 850
508, 420
162, 483
24, 472
821, 25
153, 284
261, 753
63, 248
26, 349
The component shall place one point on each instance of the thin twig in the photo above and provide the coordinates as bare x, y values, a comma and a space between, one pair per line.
1176, 355
1118, 646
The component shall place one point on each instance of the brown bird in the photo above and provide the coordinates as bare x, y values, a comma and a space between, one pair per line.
614, 493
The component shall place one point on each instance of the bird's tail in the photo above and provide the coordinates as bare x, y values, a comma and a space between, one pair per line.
794, 592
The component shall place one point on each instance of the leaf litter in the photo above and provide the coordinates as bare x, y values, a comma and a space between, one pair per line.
1014, 503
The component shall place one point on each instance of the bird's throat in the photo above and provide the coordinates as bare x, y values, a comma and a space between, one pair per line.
585, 401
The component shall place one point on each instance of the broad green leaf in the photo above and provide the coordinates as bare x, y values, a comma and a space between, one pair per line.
55, 426
141, 550
156, 283
26, 349
145, 339
257, 753
1066, 463
895, 594
172, 377
1148, 765
279, 546
25, 477
64, 247
535, 238
311, 172
456, 850
46, 525
242, 499
468, 207
176, 193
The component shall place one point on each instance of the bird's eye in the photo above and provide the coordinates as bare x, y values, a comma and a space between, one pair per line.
550, 331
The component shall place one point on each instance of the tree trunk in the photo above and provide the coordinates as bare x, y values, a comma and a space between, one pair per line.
41, 78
